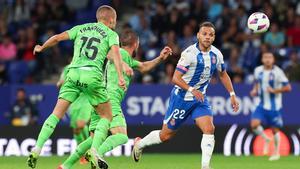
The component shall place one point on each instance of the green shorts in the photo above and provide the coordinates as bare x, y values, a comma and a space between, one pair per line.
118, 119
80, 110
87, 81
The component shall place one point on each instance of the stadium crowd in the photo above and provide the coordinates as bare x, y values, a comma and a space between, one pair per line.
24, 23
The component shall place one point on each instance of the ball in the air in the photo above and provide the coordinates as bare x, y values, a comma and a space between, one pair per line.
258, 22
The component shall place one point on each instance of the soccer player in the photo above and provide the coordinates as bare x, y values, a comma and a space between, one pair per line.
79, 114
129, 43
194, 70
92, 43
270, 83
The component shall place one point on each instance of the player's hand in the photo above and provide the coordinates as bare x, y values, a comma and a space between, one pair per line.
122, 84
234, 103
37, 49
166, 52
253, 92
199, 96
128, 70
271, 90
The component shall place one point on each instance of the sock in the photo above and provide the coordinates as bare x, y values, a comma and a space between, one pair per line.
111, 142
79, 138
46, 131
84, 134
207, 147
260, 131
151, 139
79, 152
100, 133
277, 141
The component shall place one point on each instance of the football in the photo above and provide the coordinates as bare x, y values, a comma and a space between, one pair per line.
258, 22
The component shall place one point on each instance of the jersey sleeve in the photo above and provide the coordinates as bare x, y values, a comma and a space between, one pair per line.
220, 63
73, 32
282, 78
134, 64
64, 73
256, 73
183, 63
113, 39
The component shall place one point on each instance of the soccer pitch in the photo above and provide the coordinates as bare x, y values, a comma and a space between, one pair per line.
164, 161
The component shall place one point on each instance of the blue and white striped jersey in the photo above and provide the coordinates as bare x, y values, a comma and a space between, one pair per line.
198, 68
274, 78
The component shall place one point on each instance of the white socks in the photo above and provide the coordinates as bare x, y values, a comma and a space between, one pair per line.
207, 147
151, 139
260, 131
277, 141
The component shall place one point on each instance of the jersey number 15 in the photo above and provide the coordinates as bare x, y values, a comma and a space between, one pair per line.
91, 45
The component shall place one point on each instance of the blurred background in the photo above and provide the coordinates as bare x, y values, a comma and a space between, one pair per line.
30, 79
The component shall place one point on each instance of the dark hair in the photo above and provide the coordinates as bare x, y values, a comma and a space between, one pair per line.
128, 38
21, 90
207, 24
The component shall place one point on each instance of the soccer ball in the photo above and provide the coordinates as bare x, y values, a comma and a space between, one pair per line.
258, 22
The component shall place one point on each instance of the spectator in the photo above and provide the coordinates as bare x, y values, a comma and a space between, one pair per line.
23, 112
292, 67
20, 11
293, 34
188, 38
8, 49
274, 38
234, 65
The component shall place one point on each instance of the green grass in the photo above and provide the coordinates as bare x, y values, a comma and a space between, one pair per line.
164, 161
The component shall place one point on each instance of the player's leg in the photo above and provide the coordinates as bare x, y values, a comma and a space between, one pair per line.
118, 135
79, 152
153, 138
256, 118
202, 115
275, 120
47, 130
177, 113
101, 132
84, 146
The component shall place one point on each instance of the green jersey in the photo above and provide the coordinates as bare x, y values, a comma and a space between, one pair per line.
113, 89
92, 42
63, 74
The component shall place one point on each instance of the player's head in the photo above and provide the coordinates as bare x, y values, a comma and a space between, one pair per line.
206, 34
107, 15
21, 94
268, 59
129, 39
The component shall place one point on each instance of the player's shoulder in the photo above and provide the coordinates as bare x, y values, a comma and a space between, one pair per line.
259, 68
191, 50
277, 68
216, 51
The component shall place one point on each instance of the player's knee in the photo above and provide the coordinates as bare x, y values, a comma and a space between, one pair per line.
165, 137
76, 131
210, 129
254, 125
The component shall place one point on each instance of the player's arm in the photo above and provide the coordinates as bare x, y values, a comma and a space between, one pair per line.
60, 83
254, 90
178, 80
145, 67
114, 54
52, 41
285, 88
226, 81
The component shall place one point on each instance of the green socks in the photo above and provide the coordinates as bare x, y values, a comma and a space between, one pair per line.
79, 152
111, 142
100, 133
84, 134
46, 131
